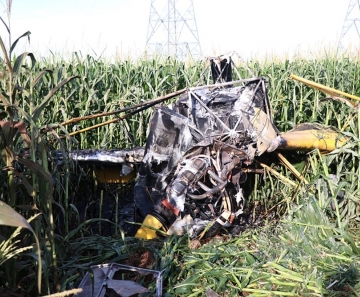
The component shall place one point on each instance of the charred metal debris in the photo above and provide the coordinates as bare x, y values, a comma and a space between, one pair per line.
198, 153
124, 280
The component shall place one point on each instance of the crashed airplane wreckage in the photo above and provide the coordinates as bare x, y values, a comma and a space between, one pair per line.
200, 149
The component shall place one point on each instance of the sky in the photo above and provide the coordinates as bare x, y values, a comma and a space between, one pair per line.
113, 28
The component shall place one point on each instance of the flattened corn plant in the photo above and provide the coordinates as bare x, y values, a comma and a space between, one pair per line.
312, 249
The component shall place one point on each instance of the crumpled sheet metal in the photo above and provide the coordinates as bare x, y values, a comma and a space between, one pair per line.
103, 278
236, 116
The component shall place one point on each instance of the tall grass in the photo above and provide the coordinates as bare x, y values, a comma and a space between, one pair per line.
313, 251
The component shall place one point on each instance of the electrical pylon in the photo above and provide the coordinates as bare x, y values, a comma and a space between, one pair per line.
351, 25
172, 29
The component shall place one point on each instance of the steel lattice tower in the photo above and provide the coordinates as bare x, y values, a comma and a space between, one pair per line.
351, 23
172, 29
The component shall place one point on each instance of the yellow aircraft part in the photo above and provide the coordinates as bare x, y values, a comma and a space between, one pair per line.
310, 136
324, 89
145, 232
112, 175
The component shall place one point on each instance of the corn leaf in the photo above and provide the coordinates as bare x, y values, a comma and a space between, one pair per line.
46, 100
20, 61
26, 34
7, 60
9, 217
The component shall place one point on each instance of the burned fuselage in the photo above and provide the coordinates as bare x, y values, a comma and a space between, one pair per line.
197, 154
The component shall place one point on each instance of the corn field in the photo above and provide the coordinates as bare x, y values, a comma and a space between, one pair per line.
313, 249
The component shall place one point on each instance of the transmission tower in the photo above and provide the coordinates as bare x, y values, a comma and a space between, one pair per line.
351, 27
172, 29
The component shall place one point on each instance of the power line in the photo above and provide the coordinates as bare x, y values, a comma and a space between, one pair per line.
172, 29
351, 23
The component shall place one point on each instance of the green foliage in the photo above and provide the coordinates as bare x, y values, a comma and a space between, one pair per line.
313, 251
10, 248
25, 154
303, 255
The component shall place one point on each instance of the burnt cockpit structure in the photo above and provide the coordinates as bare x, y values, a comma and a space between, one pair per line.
198, 152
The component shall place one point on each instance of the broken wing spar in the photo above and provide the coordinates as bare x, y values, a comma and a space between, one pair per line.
140, 106
322, 88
